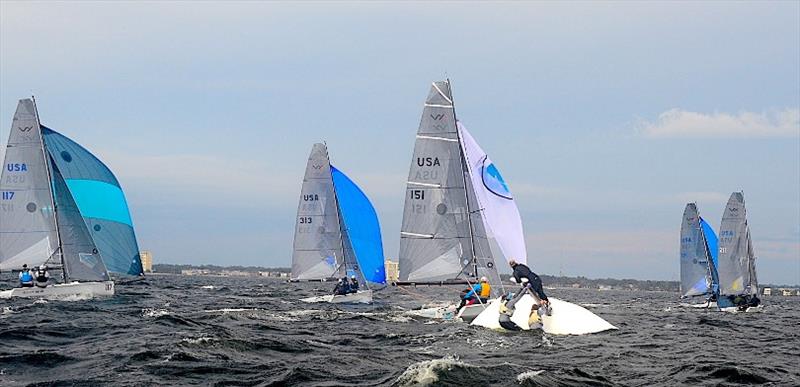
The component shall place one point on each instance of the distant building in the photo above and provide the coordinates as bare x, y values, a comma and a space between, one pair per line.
787, 292
392, 271
147, 261
767, 291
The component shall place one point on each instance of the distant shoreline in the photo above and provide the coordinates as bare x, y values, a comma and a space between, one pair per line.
550, 281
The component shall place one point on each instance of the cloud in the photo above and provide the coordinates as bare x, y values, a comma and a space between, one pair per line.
677, 123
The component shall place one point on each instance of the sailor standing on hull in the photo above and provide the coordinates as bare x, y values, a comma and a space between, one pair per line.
530, 282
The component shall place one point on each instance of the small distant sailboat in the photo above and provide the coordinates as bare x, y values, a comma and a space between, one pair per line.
61, 206
698, 258
459, 215
337, 232
738, 285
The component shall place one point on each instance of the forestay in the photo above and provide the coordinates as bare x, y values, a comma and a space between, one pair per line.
737, 275
435, 239
101, 202
27, 225
317, 252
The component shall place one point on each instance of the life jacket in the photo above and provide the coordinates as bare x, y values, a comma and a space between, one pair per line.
26, 277
486, 290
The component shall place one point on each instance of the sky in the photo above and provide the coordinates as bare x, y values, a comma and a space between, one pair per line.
604, 118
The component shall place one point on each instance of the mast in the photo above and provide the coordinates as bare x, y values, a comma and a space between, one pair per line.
60, 250
338, 212
464, 171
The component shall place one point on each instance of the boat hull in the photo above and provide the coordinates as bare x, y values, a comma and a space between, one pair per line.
566, 318
61, 291
360, 297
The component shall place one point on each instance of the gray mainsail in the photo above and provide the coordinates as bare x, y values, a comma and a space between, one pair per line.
27, 225
436, 238
737, 271
318, 248
695, 274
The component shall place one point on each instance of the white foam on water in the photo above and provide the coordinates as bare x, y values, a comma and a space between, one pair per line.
231, 310
208, 287
426, 372
528, 375
40, 301
198, 340
154, 312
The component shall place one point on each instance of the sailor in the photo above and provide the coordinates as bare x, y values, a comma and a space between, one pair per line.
353, 284
42, 276
530, 282
25, 277
479, 292
342, 287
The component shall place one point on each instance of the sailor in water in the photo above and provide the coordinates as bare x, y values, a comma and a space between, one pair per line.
353, 284
25, 277
342, 287
42, 276
479, 292
530, 282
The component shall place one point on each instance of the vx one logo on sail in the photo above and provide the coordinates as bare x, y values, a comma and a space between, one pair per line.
24, 128
437, 117
493, 180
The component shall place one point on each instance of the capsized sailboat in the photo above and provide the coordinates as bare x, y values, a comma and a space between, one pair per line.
698, 258
43, 212
337, 233
460, 216
738, 285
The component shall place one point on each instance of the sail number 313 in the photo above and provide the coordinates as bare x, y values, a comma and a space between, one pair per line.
305, 220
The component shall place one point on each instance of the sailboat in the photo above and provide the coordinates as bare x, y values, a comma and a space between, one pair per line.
337, 233
62, 207
698, 258
738, 285
459, 215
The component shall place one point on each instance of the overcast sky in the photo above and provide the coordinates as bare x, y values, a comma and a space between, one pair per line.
605, 118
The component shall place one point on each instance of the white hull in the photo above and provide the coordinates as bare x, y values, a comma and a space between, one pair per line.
735, 309
566, 318
707, 305
449, 312
81, 290
360, 297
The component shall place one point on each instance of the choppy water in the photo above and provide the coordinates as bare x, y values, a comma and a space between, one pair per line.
177, 330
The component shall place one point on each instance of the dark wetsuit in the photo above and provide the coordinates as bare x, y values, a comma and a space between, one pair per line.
342, 288
534, 284
353, 286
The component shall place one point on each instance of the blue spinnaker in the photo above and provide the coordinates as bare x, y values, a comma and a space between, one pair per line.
101, 202
713, 248
362, 227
